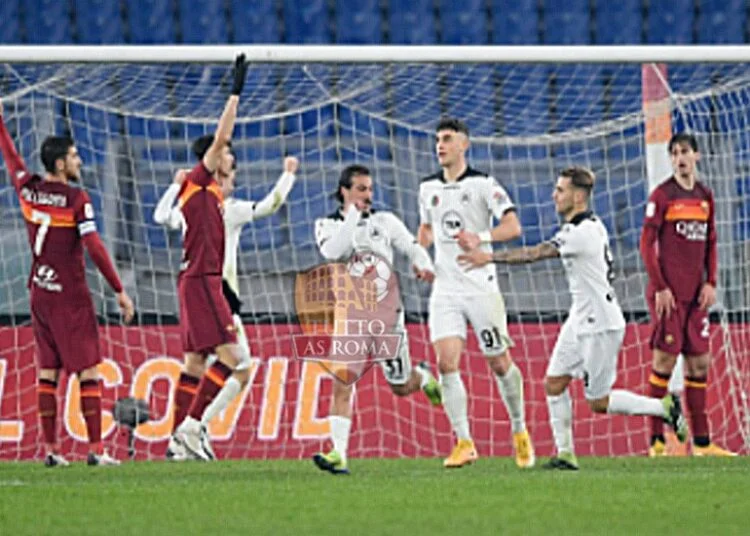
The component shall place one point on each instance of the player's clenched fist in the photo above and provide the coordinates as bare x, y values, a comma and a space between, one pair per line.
291, 164
239, 73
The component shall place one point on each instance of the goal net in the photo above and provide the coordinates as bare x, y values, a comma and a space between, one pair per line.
133, 124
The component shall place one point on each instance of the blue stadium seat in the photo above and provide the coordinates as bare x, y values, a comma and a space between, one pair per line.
358, 22
306, 23
515, 23
619, 23
151, 21
154, 234
307, 201
42, 22
566, 22
471, 96
722, 21
742, 215
267, 232
255, 22
412, 22
463, 23
98, 22
525, 100
578, 96
670, 22
203, 23
623, 85
10, 29
417, 103
361, 125
91, 128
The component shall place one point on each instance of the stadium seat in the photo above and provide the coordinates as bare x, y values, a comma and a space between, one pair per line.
255, 22
526, 200
742, 214
42, 22
623, 83
619, 23
471, 96
515, 23
151, 21
154, 234
416, 95
206, 24
670, 22
722, 21
525, 100
98, 22
91, 128
266, 232
308, 201
306, 23
358, 22
566, 22
578, 96
10, 29
412, 22
463, 23
360, 125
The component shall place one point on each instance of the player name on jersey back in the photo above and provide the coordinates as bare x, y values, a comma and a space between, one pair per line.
468, 204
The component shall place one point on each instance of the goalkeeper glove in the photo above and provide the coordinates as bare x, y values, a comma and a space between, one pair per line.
239, 72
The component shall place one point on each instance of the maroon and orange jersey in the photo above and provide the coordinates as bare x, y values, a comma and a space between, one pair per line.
685, 224
57, 217
202, 205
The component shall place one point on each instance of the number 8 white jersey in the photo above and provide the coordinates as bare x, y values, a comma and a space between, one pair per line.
583, 244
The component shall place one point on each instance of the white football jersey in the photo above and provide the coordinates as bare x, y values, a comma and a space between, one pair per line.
381, 232
449, 207
583, 244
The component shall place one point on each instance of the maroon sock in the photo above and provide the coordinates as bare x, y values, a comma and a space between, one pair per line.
47, 406
695, 393
212, 382
184, 393
658, 383
91, 409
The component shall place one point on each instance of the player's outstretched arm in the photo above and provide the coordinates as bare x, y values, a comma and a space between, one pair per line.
225, 127
405, 242
247, 211
13, 160
166, 212
477, 258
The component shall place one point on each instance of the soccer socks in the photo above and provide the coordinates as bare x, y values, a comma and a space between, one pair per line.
561, 421
695, 393
623, 402
658, 383
231, 389
511, 390
184, 393
47, 407
455, 404
340, 427
212, 382
91, 409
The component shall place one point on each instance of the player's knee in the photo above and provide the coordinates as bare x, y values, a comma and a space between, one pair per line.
697, 367
500, 364
599, 405
554, 386
664, 362
91, 373
401, 390
242, 376
50, 375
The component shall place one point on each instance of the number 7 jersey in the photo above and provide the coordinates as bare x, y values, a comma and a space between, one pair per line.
57, 216
583, 244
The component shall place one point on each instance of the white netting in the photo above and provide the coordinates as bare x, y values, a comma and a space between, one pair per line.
133, 125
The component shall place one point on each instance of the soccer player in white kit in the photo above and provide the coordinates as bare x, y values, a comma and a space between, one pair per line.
456, 207
590, 339
356, 228
237, 213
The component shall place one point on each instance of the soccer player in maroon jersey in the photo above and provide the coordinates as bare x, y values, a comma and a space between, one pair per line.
206, 320
678, 245
60, 222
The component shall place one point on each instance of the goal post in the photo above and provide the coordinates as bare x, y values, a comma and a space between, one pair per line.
133, 111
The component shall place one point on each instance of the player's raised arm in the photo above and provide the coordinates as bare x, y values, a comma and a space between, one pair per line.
225, 127
13, 160
248, 211
500, 205
337, 243
167, 213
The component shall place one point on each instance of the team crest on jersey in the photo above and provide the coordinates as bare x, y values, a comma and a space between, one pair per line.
375, 233
348, 314
452, 223
465, 198
668, 338
498, 196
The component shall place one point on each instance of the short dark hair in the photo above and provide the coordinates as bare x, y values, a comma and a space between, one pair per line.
683, 137
53, 149
580, 177
345, 179
451, 123
201, 145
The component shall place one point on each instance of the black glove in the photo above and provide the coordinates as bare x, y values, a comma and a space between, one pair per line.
239, 72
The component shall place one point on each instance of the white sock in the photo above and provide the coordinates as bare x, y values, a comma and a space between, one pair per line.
340, 427
511, 389
226, 395
423, 376
241, 335
623, 402
455, 404
677, 378
561, 421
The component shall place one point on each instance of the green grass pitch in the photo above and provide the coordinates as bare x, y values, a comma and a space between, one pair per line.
630, 496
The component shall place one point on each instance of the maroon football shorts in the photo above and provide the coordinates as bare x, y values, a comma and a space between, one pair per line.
205, 319
66, 333
686, 331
